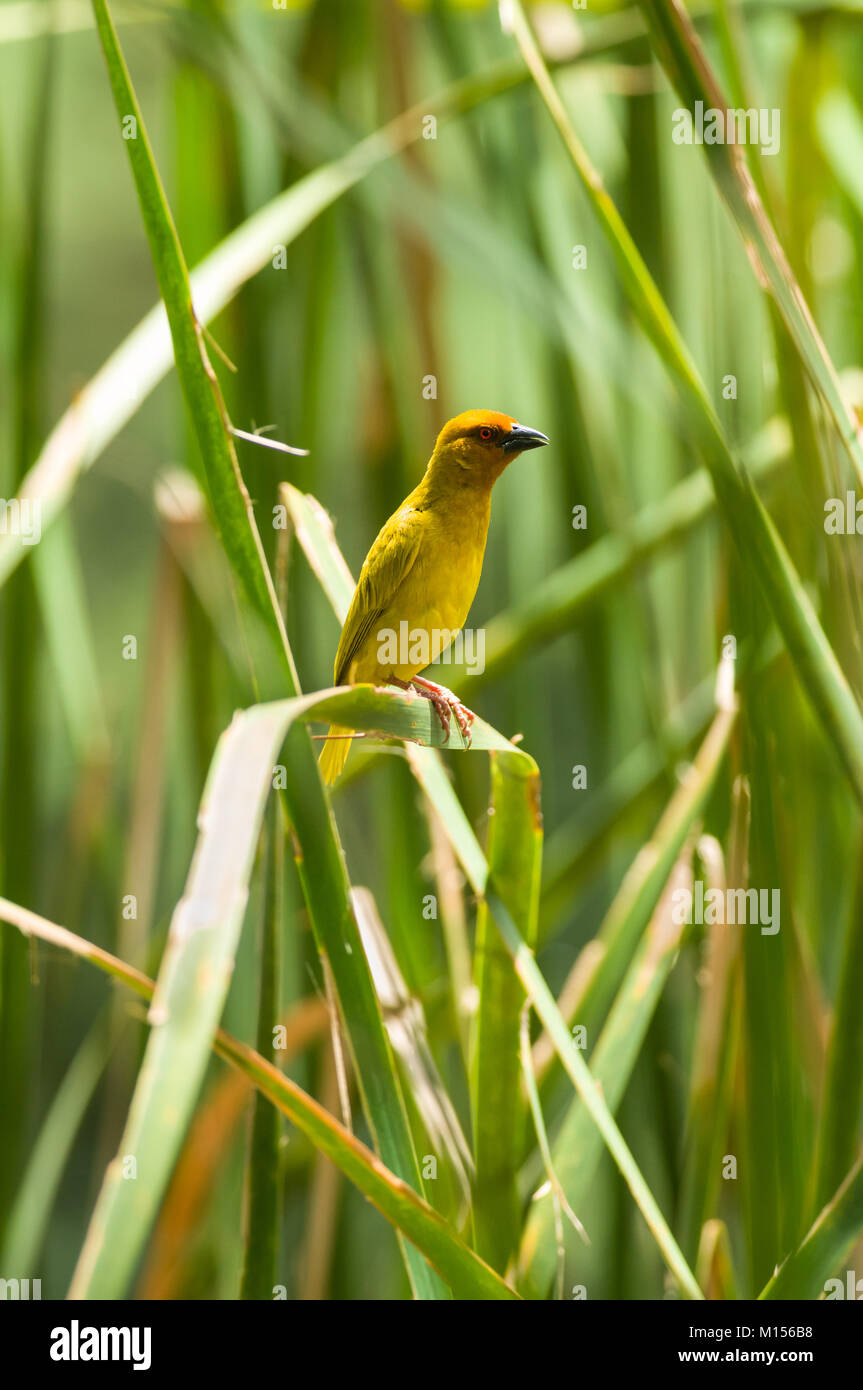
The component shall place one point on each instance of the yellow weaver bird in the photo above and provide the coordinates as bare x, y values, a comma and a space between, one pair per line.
422, 572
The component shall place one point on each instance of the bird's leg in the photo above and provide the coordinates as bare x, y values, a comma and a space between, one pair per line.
444, 701
442, 708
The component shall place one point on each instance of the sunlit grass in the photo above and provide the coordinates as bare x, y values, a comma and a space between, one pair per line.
384, 223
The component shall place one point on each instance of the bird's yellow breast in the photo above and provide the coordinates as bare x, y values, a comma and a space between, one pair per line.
433, 601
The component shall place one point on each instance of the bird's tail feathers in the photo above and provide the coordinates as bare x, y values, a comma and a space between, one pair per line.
334, 754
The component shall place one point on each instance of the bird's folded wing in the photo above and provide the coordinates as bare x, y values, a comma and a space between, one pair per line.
386, 567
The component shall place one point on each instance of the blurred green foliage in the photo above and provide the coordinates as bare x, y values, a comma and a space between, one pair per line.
454, 264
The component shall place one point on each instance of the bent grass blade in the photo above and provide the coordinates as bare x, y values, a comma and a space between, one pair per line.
430, 774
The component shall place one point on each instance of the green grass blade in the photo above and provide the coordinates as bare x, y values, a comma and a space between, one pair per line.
839, 1127
574, 848
560, 600
714, 1266
473, 862
320, 864
830, 1240
514, 858
715, 1053
594, 978
406, 1026
197, 379
578, 1147
585, 1084
34, 1201
196, 967
314, 531
840, 132
688, 68
262, 1162
779, 1129
758, 540
468, 1276
62, 602
195, 970
430, 774
515, 852
20, 763
134, 369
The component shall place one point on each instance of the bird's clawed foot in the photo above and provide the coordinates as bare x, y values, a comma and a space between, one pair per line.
444, 702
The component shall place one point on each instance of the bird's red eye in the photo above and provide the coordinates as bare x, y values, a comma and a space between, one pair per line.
486, 433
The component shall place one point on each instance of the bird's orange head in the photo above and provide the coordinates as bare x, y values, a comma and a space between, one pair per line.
480, 444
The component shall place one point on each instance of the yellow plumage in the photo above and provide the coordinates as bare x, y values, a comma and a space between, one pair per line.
424, 568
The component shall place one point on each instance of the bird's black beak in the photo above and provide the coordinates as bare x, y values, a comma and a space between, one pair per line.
522, 437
